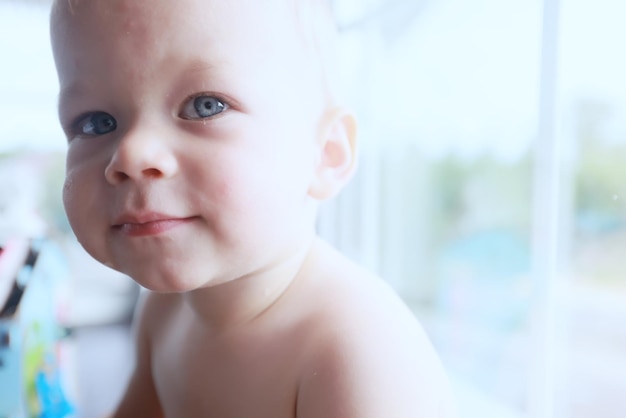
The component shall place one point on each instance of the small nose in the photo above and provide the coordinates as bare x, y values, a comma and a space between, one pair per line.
141, 155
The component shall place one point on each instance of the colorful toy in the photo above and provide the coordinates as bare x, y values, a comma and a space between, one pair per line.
30, 380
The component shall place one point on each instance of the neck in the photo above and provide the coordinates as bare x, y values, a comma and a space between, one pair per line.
245, 299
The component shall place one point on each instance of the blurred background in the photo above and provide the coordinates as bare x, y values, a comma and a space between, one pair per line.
491, 194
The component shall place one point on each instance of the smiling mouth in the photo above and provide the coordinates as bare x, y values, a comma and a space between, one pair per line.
149, 228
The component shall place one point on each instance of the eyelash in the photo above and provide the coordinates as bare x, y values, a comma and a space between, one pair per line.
76, 128
192, 104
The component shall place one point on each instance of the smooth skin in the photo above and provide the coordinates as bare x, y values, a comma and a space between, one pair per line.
201, 140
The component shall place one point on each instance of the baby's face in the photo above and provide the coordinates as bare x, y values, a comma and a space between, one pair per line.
191, 127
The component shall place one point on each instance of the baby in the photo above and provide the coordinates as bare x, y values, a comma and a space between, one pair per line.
202, 136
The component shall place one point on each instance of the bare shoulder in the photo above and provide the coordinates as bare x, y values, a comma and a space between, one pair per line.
140, 398
369, 355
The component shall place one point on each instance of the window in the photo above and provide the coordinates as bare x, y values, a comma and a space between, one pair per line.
489, 192
491, 187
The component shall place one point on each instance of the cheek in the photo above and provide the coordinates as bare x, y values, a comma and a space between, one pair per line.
224, 189
72, 197
80, 194
87, 214
251, 184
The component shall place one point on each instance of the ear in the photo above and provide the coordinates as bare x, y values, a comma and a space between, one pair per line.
337, 157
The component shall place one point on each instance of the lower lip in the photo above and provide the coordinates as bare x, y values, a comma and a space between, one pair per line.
151, 228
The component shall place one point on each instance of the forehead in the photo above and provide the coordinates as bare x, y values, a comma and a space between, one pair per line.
130, 51
159, 27
176, 8
130, 15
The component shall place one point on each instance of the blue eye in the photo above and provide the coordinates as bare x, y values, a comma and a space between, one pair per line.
201, 107
96, 123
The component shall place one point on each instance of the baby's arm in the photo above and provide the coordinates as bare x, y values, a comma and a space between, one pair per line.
140, 398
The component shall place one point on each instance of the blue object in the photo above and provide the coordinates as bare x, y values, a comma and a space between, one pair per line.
30, 383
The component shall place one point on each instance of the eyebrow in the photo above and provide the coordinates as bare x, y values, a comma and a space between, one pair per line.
68, 93
76, 91
199, 65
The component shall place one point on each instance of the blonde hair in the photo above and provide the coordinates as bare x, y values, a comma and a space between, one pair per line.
319, 32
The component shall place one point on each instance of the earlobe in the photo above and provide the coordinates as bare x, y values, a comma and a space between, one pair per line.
337, 160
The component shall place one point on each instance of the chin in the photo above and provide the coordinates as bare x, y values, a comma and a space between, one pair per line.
165, 287
167, 283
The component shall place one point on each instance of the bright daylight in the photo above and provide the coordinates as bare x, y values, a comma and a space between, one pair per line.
490, 195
